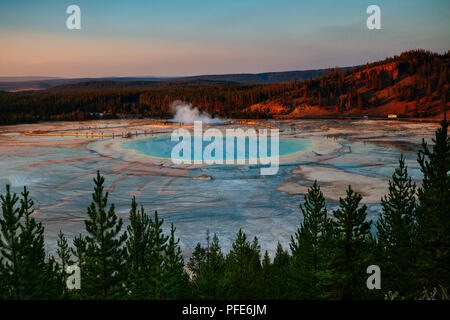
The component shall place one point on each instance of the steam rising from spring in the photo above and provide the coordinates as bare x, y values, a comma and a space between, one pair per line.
186, 113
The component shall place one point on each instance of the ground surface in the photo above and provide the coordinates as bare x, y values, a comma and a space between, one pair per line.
58, 170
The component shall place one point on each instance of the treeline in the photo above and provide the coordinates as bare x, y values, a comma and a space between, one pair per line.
328, 256
336, 91
226, 100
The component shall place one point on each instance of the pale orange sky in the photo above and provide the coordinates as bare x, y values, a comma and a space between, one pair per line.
177, 38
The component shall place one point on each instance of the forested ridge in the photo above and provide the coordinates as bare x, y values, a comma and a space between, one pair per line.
327, 257
413, 84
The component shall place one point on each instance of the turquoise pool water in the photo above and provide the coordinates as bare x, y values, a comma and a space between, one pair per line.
161, 147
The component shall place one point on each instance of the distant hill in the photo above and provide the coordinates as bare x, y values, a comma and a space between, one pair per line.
110, 84
42, 83
46, 83
268, 77
23, 79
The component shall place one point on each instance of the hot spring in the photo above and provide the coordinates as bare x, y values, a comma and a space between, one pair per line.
161, 148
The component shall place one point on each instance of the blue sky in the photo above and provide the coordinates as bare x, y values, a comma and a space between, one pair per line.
168, 38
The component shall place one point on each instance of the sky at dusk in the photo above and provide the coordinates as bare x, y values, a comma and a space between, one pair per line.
177, 38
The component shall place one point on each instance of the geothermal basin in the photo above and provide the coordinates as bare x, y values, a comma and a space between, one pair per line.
58, 170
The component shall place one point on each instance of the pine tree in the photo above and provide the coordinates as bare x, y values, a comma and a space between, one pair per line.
209, 283
10, 244
267, 281
397, 232
156, 252
137, 250
28, 274
197, 260
34, 277
434, 210
64, 254
175, 279
309, 245
242, 268
280, 268
352, 232
79, 251
105, 255
63, 251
